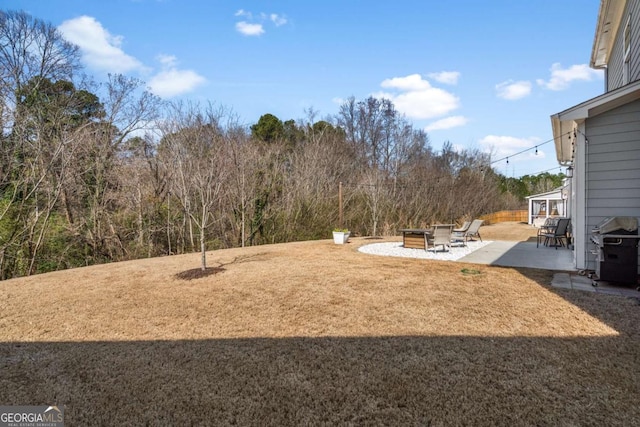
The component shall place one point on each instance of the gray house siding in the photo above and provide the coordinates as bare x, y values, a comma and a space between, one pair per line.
614, 67
615, 64
613, 167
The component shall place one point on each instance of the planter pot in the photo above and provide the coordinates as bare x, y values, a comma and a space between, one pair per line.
340, 237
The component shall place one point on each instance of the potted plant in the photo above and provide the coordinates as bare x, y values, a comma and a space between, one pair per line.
340, 235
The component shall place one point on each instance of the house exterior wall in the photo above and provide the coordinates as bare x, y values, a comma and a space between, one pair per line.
615, 63
612, 170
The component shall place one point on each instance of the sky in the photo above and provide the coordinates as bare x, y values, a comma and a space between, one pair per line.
483, 75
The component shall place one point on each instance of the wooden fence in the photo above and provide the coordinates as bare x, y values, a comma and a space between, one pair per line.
506, 216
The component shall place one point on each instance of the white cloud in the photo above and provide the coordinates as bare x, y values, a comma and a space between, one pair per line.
100, 50
417, 99
445, 77
413, 82
561, 78
459, 148
171, 81
255, 29
249, 29
505, 146
277, 19
447, 123
167, 60
511, 90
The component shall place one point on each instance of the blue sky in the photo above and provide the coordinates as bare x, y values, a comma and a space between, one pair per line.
480, 74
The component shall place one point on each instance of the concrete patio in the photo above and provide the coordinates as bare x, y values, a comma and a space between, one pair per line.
522, 254
526, 254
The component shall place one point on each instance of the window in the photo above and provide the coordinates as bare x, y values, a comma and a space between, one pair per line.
626, 42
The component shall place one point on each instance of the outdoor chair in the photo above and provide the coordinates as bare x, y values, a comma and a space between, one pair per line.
440, 236
465, 227
557, 234
547, 227
472, 231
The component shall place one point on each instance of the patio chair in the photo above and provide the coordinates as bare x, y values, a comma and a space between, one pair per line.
465, 227
558, 233
472, 231
440, 236
547, 227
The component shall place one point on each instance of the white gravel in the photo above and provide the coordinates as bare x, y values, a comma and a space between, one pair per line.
396, 249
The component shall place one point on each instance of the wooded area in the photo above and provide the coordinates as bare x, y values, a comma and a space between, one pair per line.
94, 172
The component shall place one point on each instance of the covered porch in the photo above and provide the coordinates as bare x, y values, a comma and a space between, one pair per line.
546, 205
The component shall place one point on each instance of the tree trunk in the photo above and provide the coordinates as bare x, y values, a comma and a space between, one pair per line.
67, 207
202, 249
193, 245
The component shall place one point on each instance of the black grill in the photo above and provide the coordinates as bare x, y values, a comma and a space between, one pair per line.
616, 241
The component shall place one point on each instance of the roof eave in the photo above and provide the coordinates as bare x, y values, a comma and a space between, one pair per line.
548, 193
609, 18
561, 138
563, 124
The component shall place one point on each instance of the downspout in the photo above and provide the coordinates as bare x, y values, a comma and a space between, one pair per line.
588, 261
581, 250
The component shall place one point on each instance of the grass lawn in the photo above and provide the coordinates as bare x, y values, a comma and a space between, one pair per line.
315, 333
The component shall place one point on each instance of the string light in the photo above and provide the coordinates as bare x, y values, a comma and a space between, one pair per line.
559, 168
535, 147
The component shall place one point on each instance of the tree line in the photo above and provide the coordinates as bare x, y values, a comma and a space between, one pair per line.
100, 172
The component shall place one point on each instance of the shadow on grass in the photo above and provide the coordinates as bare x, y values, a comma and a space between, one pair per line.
334, 381
609, 309
398, 380
378, 380
198, 273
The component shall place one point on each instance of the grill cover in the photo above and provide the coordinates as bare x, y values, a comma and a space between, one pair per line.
615, 223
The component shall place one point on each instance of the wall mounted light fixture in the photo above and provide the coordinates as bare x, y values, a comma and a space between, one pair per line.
569, 172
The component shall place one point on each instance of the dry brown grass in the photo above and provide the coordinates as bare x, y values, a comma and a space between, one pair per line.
317, 333
510, 231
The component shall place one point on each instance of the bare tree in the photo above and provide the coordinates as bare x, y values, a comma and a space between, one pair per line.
32, 49
195, 147
317, 166
242, 185
34, 136
128, 111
